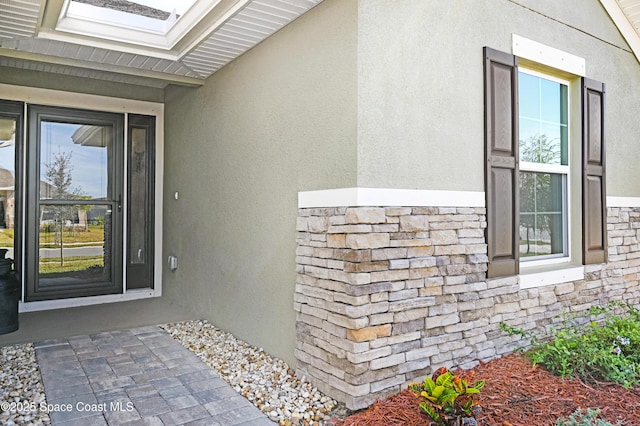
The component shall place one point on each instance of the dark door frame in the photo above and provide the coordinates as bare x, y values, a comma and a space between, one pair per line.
15, 110
34, 291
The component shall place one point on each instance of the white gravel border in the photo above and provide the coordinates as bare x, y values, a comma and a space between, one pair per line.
21, 388
266, 381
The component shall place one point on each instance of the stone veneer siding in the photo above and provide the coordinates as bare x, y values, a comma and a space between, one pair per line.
385, 295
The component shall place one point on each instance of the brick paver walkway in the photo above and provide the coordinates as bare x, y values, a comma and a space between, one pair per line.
136, 377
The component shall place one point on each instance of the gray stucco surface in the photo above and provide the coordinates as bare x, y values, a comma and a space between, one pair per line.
420, 85
278, 120
366, 93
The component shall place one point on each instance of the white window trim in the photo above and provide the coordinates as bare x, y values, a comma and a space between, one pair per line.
32, 95
566, 274
548, 56
545, 168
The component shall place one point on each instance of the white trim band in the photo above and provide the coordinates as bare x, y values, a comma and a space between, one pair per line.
623, 201
388, 197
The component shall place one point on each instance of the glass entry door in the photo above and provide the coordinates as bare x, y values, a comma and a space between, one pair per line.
74, 181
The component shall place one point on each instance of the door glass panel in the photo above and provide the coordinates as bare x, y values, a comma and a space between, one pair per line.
7, 184
74, 161
75, 226
72, 243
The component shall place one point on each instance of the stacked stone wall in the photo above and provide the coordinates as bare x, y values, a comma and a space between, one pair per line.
385, 295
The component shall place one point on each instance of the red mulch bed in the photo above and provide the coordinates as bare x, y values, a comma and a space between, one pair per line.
516, 393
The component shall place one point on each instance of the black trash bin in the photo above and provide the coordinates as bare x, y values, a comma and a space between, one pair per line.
9, 295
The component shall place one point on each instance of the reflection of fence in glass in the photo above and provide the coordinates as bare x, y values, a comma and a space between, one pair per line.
541, 214
72, 241
536, 241
541, 200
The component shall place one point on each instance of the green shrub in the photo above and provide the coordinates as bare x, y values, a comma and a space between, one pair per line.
589, 418
604, 350
448, 399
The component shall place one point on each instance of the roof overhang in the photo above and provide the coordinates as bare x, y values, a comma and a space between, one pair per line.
626, 15
48, 36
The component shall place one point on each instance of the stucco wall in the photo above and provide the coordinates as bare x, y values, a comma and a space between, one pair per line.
278, 120
420, 85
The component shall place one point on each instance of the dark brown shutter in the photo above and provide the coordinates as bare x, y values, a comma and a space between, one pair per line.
594, 214
501, 176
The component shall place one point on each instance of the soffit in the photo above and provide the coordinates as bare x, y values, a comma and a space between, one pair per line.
631, 9
626, 15
244, 24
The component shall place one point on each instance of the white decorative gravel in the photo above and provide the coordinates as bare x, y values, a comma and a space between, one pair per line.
21, 389
266, 381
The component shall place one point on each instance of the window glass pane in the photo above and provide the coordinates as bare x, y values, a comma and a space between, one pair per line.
528, 92
551, 104
542, 214
7, 184
74, 161
543, 120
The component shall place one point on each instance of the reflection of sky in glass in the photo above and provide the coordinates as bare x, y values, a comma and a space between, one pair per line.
543, 119
7, 158
7, 144
89, 163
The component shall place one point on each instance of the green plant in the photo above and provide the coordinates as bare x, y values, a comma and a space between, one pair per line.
589, 418
604, 345
448, 398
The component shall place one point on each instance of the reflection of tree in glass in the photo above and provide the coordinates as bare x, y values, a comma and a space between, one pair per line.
535, 188
59, 177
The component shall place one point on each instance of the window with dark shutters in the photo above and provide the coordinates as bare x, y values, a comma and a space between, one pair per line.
502, 167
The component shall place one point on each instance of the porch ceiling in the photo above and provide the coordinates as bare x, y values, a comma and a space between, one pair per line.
30, 38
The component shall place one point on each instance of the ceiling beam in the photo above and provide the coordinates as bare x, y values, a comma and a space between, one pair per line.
95, 66
49, 14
